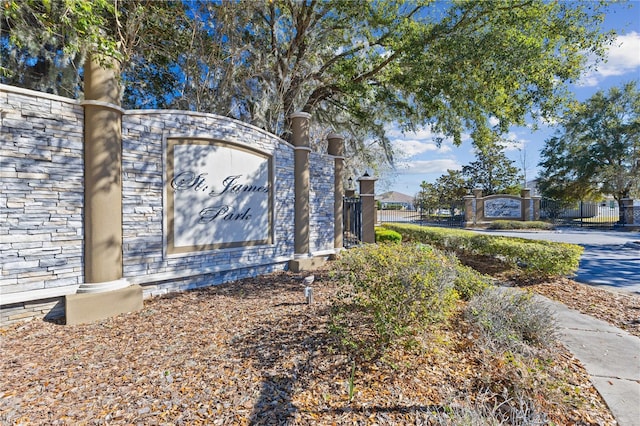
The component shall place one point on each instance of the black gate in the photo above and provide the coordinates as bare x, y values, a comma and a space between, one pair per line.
449, 215
352, 222
592, 214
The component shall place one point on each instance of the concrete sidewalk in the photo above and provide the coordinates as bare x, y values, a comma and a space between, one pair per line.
611, 357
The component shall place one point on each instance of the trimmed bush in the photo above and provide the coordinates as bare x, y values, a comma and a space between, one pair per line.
390, 293
533, 256
470, 282
517, 224
387, 236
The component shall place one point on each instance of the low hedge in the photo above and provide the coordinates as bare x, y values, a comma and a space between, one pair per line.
384, 235
533, 256
518, 224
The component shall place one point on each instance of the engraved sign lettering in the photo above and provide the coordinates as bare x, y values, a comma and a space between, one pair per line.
502, 207
219, 195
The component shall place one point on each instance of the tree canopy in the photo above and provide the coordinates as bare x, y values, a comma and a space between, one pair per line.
492, 171
358, 66
596, 151
43, 43
446, 192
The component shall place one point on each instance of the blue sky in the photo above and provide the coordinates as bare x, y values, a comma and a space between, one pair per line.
420, 159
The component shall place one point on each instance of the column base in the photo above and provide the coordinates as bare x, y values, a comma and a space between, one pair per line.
103, 286
82, 308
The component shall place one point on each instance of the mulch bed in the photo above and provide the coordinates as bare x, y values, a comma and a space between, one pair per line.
250, 352
619, 309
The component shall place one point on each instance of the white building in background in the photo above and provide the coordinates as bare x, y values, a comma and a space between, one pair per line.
395, 200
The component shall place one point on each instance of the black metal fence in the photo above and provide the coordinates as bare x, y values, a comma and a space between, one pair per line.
605, 214
582, 214
449, 216
352, 222
635, 218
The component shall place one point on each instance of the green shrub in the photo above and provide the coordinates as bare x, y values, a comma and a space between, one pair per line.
512, 320
387, 235
517, 224
470, 282
536, 257
533, 256
390, 293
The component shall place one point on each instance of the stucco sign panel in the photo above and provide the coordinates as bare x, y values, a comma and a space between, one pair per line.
502, 207
218, 195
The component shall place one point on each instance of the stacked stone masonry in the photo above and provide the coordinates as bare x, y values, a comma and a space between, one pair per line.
321, 200
41, 223
143, 135
41, 166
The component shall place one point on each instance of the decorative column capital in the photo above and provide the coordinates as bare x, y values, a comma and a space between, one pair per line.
300, 114
367, 185
300, 129
106, 105
336, 145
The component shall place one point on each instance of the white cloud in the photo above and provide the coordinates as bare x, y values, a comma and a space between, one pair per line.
428, 166
421, 134
622, 58
409, 144
513, 143
409, 147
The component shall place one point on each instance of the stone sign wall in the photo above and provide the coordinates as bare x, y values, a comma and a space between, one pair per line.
151, 256
205, 200
480, 209
321, 200
41, 202
630, 212
502, 208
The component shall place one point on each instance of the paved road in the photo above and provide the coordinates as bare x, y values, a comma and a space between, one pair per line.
611, 258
